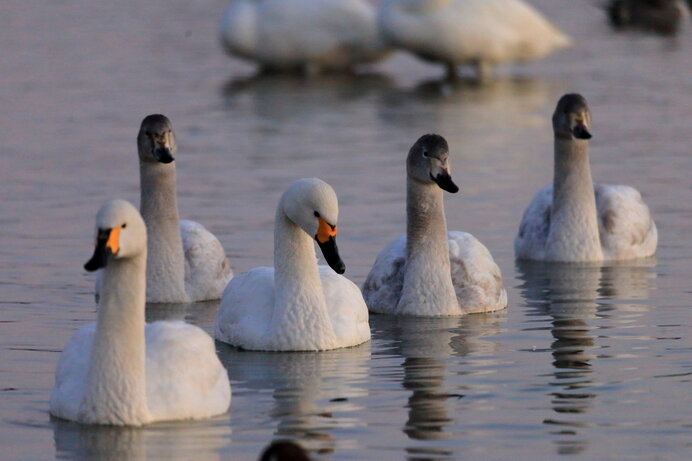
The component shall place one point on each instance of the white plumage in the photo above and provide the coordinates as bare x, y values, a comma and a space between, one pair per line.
296, 306
207, 270
247, 308
121, 371
184, 379
302, 34
480, 33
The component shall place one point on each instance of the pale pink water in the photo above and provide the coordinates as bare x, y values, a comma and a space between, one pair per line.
591, 363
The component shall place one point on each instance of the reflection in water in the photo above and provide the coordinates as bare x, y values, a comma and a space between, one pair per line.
179, 440
158, 441
299, 99
426, 344
571, 295
312, 392
449, 106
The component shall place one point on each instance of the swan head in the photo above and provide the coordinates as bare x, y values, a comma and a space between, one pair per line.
284, 450
312, 205
572, 118
428, 162
156, 140
120, 233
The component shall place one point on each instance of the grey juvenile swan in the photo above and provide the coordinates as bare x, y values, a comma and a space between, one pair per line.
430, 272
186, 262
573, 220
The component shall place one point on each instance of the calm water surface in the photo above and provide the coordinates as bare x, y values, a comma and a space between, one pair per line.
587, 362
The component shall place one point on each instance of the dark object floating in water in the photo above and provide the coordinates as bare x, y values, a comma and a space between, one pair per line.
284, 450
339, 399
665, 17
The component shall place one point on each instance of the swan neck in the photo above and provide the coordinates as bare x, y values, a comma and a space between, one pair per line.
158, 197
116, 388
299, 301
425, 217
159, 208
428, 286
573, 216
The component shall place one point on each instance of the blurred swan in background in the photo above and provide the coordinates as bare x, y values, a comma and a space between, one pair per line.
479, 33
665, 17
302, 35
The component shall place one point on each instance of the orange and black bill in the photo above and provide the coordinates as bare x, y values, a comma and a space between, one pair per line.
326, 239
107, 241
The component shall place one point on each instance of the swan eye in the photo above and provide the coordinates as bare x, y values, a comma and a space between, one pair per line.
425, 154
124, 225
317, 215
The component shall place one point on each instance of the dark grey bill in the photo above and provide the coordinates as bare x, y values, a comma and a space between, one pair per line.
163, 155
580, 132
445, 182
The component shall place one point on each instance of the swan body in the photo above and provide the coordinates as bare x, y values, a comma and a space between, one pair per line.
480, 33
664, 17
296, 306
430, 271
121, 371
573, 220
186, 262
302, 34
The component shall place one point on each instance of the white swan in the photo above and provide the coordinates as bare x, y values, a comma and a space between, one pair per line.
302, 34
430, 272
480, 33
120, 371
295, 306
186, 262
573, 220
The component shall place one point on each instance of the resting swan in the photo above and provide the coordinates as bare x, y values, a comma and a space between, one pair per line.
120, 371
430, 272
573, 220
186, 262
296, 306
480, 33
303, 35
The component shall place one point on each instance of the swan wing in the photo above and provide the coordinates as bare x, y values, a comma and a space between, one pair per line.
382, 287
347, 310
71, 374
246, 309
535, 226
476, 277
185, 379
625, 225
207, 270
